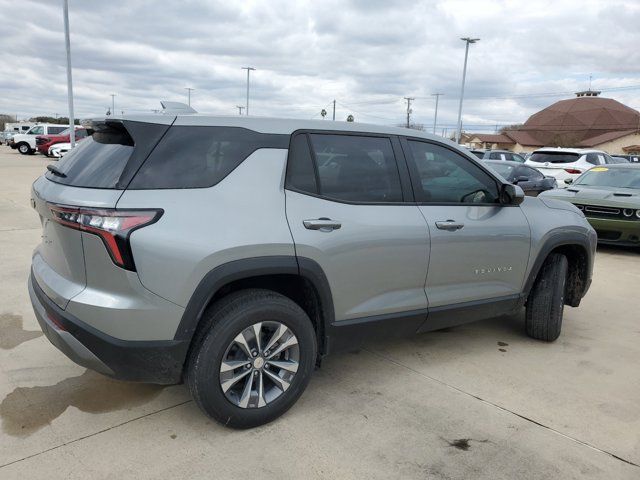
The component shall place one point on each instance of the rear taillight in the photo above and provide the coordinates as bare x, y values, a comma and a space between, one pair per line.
573, 171
113, 226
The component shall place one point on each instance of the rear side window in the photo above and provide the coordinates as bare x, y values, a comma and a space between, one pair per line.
356, 168
55, 130
198, 157
554, 157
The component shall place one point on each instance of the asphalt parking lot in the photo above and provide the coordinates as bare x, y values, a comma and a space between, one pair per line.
479, 401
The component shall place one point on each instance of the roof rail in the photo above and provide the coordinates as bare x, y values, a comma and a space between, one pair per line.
175, 108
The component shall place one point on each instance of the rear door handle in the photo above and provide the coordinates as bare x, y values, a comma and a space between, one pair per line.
324, 224
450, 225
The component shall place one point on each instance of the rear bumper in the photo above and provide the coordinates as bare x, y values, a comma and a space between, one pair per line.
140, 361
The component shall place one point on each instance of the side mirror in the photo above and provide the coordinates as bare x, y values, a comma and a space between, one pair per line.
521, 179
568, 181
511, 194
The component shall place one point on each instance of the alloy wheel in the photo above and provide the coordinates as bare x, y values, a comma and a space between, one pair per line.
259, 364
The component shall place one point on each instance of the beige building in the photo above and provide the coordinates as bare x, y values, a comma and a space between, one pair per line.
587, 121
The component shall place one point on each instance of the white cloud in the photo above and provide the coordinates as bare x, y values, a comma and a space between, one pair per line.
367, 55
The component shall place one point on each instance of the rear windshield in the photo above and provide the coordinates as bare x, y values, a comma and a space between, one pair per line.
554, 157
98, 161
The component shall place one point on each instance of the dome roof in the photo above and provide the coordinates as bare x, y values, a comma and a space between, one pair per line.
581, 118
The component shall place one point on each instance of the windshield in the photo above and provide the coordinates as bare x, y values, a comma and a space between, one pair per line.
554, 157
611, 177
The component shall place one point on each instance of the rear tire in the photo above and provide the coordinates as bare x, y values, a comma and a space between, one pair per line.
545, 305
234, 317
24, 148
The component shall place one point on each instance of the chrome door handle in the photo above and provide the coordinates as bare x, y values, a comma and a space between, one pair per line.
324, 224
450, 225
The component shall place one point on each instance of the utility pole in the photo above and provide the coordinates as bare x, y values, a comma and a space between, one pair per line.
435, 116
239, 107
248, 69
189, 90
468, 40
409, 100
72, 128
113, 104
334, 109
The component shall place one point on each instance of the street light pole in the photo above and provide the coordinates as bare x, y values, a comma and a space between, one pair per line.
248, 69
239, 107
113, 104
468, 40
189, 89
72, 128
435, 116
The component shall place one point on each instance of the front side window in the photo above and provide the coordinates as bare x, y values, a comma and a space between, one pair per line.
36, 131
444, 176
356, 168
531, 173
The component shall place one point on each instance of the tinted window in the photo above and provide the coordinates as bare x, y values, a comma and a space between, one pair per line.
98, 161
445, 176
532, 173
301, 173
198, 157
592, 158
81, 133
554, 157
356, 169
55, 130
496, 156
505, 170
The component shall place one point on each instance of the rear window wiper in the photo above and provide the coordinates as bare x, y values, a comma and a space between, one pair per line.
55, 171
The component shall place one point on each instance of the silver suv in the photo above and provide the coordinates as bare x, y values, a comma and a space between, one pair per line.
235, 253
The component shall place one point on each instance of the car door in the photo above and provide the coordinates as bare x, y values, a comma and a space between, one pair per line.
479, 247
348, 210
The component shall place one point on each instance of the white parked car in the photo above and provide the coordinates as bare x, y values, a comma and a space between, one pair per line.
26, 142
567, 163
59, 149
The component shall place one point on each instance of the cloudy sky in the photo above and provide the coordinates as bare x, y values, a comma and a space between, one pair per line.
366, 54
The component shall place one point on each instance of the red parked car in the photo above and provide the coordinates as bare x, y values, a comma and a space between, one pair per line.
43, 142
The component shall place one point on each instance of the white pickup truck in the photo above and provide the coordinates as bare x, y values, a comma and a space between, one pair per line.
26, 142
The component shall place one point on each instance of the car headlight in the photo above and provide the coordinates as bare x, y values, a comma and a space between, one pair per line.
628, 212
638, 213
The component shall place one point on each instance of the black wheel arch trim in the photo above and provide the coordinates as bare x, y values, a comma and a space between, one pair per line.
557, 240
246, 268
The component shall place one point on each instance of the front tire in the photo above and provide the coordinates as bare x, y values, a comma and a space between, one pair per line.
545, 306
252, 359
24, 148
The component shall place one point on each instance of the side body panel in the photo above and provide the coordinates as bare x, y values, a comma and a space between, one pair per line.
202, 228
